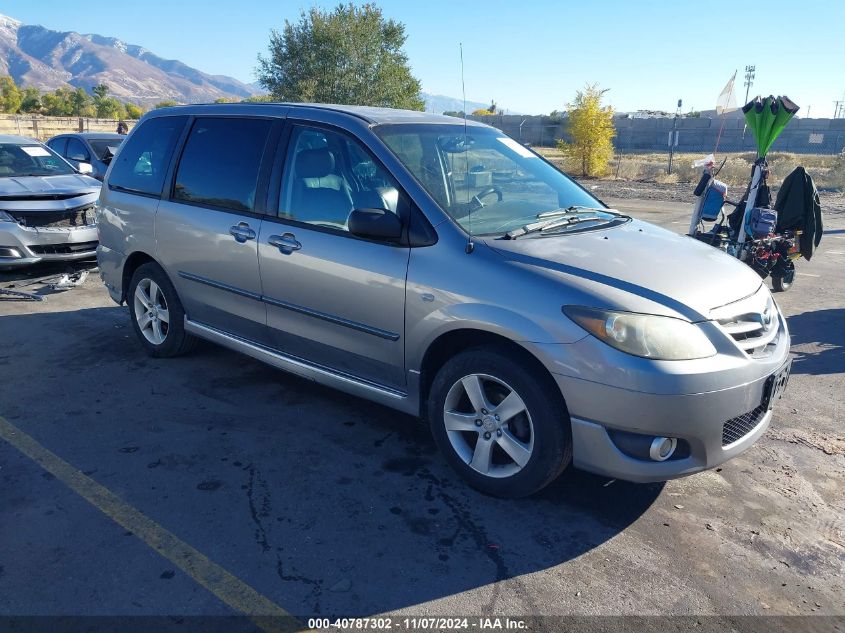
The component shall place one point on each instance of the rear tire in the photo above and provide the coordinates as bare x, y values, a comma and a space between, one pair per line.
503, 428
157, 315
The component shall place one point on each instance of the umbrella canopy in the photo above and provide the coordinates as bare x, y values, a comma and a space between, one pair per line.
767, 118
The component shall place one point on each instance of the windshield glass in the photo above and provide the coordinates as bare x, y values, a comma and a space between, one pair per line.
31, 160
488, 182
105, 148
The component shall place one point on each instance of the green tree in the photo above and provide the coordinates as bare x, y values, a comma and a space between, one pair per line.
166, 104
105, 106
350, 55
592, 131
10, 95
81, 104
57, 103
133, 111
110, 108
30, 100
100, 91
258, 99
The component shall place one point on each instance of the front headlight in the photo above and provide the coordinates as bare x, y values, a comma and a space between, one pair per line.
5, 217
646, 335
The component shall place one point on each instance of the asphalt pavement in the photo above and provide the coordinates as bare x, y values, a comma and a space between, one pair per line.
213, 485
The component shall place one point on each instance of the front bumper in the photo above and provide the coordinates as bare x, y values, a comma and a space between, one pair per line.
698, 419
23, 246
606, 390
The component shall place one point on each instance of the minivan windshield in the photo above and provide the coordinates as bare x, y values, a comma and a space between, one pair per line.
31, 160
488, 182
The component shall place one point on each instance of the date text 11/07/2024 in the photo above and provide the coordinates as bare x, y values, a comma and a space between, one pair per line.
419, 624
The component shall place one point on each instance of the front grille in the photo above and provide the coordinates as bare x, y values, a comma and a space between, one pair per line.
737, 428
81, 216
753, 323
64, 249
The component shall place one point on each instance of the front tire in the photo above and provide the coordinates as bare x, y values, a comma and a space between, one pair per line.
499, 423
156, 313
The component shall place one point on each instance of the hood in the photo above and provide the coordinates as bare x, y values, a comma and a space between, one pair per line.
639, 267
32, 187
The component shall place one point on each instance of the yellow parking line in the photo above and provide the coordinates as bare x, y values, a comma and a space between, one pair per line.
265, 613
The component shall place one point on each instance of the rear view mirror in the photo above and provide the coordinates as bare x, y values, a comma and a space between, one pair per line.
85, 168
375, 224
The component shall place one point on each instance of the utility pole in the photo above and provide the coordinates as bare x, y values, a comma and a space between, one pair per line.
673, 135
839, 109
749, 80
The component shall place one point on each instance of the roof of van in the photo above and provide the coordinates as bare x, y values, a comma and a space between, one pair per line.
367, 113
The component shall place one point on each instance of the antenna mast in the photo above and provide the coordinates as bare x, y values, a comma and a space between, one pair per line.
470, 246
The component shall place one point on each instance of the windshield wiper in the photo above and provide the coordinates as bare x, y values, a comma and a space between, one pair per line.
578, 209
551, 224
564, 217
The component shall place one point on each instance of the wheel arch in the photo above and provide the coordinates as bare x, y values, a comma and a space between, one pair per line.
133, 262
456, 341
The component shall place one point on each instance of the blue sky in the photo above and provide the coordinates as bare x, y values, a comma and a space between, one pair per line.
529, 56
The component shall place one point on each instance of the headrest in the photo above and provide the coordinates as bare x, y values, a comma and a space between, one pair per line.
314, 163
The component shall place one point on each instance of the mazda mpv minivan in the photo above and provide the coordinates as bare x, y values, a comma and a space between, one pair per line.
441, 268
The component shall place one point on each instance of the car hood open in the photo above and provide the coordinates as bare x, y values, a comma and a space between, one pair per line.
641, 265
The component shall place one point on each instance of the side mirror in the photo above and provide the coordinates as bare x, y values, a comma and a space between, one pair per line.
85, 168
377, 224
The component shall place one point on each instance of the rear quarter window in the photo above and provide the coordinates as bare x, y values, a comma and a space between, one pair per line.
220, 163
142, 163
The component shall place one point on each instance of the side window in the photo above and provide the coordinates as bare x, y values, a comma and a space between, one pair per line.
420, 155
76, 150
144, 157
58, 145
327, 175
220, 163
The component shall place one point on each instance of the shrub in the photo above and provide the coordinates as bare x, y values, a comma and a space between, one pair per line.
592, 131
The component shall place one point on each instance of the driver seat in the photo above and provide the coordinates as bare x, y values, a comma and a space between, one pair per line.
319, 193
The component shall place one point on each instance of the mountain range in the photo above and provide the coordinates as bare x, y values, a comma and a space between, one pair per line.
37, 56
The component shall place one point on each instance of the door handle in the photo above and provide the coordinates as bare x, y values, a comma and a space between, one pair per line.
242, 232
286, 243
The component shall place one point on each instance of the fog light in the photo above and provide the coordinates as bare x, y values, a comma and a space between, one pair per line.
662, 448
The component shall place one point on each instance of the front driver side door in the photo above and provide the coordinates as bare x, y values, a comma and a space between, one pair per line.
333, 299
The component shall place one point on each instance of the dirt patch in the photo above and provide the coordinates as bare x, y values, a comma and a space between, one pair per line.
824, 442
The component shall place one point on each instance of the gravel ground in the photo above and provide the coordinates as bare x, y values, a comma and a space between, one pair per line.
832, 202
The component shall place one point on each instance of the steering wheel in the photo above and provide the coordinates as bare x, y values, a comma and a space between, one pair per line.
484, 193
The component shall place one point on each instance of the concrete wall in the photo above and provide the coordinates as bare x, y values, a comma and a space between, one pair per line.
43, 127
803, 136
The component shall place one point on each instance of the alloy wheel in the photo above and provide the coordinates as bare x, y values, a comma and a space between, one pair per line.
488, 425
151, 311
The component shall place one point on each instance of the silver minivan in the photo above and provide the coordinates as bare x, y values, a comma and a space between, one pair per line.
441, 268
